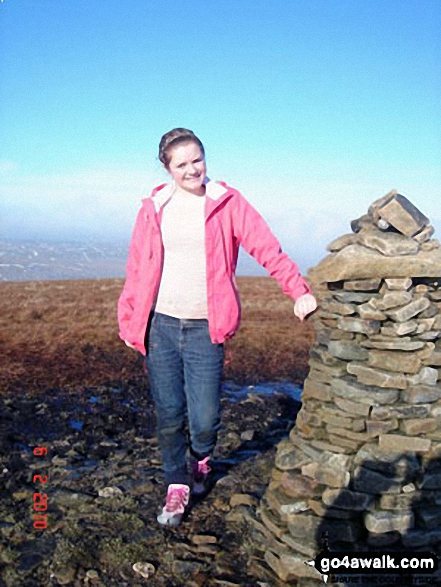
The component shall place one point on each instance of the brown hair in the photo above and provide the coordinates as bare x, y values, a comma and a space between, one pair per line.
172, 139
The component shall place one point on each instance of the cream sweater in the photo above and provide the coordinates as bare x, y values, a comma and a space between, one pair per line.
183, 289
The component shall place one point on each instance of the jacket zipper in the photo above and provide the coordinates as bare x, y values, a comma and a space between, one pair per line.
209, 269
158, 219
210, 260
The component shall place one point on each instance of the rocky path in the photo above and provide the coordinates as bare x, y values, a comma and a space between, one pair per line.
104, 487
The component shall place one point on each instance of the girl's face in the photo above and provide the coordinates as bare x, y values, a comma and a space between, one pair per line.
187, 167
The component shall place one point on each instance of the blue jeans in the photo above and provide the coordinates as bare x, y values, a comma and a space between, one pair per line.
184, 370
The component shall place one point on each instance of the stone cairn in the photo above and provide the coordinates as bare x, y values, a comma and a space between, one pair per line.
361, 468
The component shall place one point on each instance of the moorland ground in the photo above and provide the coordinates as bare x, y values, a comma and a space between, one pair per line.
65, 332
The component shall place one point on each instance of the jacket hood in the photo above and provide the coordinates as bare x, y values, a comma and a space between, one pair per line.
161, 194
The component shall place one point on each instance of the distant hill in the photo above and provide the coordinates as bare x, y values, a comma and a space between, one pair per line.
26, 260
35, 260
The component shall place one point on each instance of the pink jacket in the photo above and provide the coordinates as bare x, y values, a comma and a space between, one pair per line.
230, 221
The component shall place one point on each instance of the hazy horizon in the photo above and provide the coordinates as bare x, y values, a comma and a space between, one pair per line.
34, 259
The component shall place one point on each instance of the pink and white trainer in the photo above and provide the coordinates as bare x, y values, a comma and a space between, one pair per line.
201, 471
178, 496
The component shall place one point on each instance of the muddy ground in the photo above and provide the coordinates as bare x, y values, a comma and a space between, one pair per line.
103, 437
69, 385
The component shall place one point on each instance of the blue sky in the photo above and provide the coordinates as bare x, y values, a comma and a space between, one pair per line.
311, 108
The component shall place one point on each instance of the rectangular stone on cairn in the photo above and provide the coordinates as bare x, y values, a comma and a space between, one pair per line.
415, 426
392, 299
403, 412
351, 407
357, 262
362, 284
399, 328
421, 394
349, 389
374, 482
377, 427
381, 522
346, 499
341, 421
399, 284
348, 350
397, 443
400, 213
358, 325
384, 342
396, 361
317, 390
375, 377
405, 313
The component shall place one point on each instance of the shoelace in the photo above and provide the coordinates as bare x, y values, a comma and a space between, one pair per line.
203, 467
176, 500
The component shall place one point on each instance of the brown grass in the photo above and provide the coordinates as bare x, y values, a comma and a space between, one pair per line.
56, 333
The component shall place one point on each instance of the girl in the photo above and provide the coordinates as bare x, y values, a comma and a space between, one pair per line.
180, 303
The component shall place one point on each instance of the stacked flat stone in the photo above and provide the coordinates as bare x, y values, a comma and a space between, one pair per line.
361, 466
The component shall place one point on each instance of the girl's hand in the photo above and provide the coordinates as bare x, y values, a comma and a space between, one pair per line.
130, 345
304, 305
